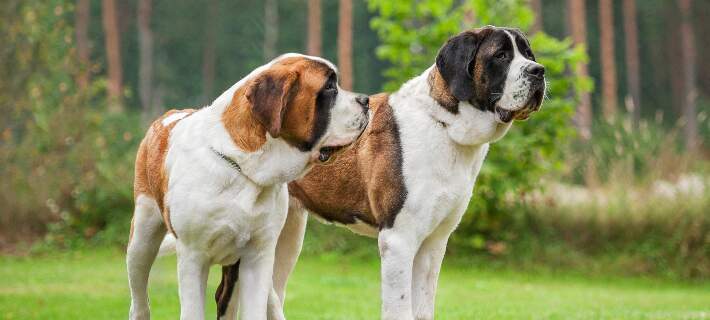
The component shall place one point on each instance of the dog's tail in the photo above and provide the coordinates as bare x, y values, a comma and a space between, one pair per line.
223, 295
167, 247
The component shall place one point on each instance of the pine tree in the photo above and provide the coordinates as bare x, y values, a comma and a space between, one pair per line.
82, 18
633, 77
608, 63
271, 28
345, 44
209, 55
577, 24
145, 52
536, 6
690, 90
314, 28
113, 55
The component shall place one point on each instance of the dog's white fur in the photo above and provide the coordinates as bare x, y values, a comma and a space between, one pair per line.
222, 215
517, 85
440, 165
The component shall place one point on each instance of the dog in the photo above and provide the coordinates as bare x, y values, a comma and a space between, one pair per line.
407, 181
215, 178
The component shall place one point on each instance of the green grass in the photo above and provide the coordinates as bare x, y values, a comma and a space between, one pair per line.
92, 285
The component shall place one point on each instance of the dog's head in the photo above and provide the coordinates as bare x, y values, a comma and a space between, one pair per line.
296, 98
494, 70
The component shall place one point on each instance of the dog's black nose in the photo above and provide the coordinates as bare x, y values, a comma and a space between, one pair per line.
536, 70
363, 100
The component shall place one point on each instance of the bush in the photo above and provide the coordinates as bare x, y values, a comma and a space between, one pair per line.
411, 35
654, 228
67, 163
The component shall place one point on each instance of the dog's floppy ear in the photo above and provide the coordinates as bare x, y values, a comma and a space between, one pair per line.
269, 94
455, 62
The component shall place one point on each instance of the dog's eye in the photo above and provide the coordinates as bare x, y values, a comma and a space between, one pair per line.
528, 53
502, 55
330, 86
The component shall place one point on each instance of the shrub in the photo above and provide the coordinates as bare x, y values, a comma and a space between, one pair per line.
652, 228
67, 163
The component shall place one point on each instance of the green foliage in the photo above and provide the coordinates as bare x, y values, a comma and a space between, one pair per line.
704, 121
626, 228
619, 149
67, 163
411, 35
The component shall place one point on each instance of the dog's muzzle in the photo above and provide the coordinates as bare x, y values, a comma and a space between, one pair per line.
532, 105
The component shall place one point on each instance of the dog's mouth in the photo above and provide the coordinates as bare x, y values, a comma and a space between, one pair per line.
326, 153
533, 104
506, 116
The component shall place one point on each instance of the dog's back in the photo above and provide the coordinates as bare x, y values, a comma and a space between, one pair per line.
150, 178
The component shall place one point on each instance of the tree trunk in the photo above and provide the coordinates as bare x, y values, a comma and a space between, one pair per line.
606, 38
690, 90
209, 56
314, 30
145, 43
633, 77
345, 44
271, 28
83, 14
536, 6
577, 24
113, 55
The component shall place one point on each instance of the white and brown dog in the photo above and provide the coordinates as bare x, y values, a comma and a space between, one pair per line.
408, 180
215, 178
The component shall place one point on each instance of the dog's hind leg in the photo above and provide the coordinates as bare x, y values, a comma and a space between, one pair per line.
288, 248
147, 231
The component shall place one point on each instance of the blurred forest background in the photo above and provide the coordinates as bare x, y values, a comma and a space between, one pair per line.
611, 175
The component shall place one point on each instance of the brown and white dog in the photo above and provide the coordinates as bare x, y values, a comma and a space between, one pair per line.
215, 178
407, 181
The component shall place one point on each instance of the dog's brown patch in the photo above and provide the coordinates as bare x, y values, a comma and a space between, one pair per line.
150, 177
246, 132
364, 182
440, 92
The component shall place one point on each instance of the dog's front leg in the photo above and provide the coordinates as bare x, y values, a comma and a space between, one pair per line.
193, 269
397, 250
427, 265
255, 282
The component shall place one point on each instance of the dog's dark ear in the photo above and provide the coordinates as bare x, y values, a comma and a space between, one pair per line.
455, 62
269, 94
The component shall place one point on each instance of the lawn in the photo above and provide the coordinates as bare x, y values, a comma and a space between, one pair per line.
92, 285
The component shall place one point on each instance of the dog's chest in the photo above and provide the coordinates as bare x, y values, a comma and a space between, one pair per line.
439, 173
236, 219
